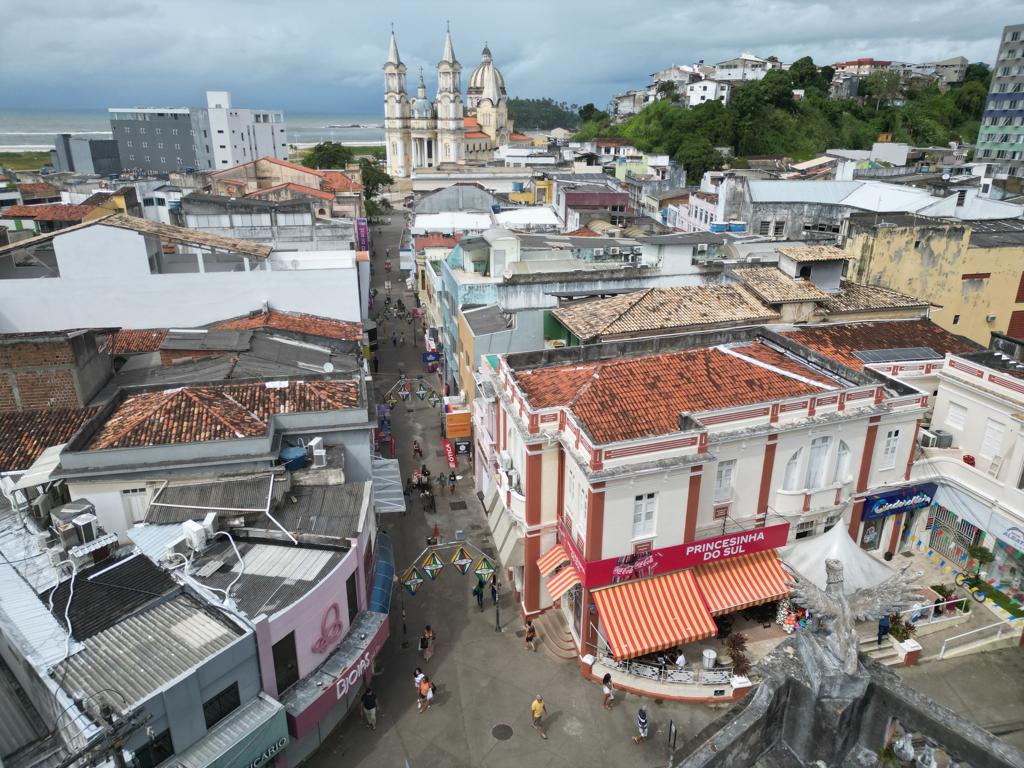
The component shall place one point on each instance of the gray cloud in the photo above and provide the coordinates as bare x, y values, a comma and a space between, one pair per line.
327, 57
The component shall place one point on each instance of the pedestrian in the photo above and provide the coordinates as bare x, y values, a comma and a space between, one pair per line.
394, 339
494, 587
609, 692
417, 675
417, 451
427, 643
641, 726
531, 635
451, 482
376, 363
478, 593
370, 708
537, 712
883, 628
424, 472
423, 694
442, 483
401, 339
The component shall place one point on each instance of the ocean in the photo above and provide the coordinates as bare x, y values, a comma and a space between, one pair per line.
28, 131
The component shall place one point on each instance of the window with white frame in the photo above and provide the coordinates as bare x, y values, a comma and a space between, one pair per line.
956, 416
723, 480
992, 440
644, 507
842, 470
135, 504
791, 478
816, 462
889, 449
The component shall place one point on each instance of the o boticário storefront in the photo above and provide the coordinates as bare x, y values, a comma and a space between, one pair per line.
624, 612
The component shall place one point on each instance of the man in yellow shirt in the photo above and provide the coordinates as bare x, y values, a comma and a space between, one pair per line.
537, 711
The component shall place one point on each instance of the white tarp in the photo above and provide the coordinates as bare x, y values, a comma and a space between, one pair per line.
807, 557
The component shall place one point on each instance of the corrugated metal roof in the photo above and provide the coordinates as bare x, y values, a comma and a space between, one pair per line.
205, 339
192, 501
234, 730
21, 723
26, 623
796, 191
324, 510
153, 540
388, 492
145, 651
19, 545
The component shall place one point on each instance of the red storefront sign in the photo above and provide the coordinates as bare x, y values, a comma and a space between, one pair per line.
449, 453
615, 570
300, 724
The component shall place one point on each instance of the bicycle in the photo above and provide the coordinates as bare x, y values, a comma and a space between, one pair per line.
971, 582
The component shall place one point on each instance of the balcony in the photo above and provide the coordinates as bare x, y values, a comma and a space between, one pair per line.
989, 478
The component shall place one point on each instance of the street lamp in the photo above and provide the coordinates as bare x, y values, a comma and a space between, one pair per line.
497, 606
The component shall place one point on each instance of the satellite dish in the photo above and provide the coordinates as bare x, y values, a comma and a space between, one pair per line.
328, 367
945, 176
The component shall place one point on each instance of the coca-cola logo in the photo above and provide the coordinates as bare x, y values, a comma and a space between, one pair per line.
639, 565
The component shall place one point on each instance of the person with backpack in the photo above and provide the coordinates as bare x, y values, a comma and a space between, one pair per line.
531, 633
641, 726
478, 593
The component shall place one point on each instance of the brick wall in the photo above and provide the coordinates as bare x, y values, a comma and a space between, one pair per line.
36, 354
53, 388
37, 374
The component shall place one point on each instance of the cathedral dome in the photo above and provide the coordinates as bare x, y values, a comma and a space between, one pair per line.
421, 108
478, 79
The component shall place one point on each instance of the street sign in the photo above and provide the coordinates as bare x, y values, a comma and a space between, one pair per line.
411, 579
449, 453
432, 565
462, 560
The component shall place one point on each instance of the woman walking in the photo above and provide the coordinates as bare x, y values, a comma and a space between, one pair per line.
451, 483
427, 643
609, 692
531, 634
424, 694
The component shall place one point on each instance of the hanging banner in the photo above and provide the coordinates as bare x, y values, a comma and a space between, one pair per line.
411, 579
431, 357
432, 565
362, 235
403, 394
462, 560
449, 453
421, 392
434, 399
484, 568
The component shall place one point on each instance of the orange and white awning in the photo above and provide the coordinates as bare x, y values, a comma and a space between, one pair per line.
641, 617
551, 559
740, 582
563, 581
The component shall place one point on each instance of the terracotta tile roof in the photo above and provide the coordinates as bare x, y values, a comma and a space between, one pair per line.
296, 322
776, 287
128, 341
215, 412
690, 307
840, 340
24, 435
623, 399
336, 181
611, 142
436, 240
519, 137
47, 212
295, 188
856, 297
814, 253
582, 232
288, 164
470, 122
38, 190
476, 135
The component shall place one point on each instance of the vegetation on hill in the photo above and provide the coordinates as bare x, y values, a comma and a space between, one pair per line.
542, 114
762, 118
24, 161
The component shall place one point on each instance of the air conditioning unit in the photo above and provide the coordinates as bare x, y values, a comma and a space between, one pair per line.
613, 251
638, 249
195, 535
210, 524
990, 318
944, 439
702, 247
317, 452
599, 251
40, 539
928, 439
506, 460
754, 260
86, 527
41, 506
56, 556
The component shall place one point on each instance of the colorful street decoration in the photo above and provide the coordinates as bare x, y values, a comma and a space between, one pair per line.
432, 565
484, 568
462, 560
411, 579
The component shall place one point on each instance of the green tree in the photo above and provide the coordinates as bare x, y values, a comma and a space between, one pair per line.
978, 72
881, 86
970, 98
375, 178
697, 156
328, 154
590, 113
542, 114
804, 73
667, 90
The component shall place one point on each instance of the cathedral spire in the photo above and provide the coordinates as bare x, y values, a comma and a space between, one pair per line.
448, 56
393, 57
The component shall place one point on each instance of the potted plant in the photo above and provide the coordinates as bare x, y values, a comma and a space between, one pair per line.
736, 645
981, 556
901, 635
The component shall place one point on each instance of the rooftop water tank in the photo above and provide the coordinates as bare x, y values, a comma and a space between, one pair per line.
293, 457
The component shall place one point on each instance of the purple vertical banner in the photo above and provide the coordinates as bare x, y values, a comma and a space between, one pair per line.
362, 235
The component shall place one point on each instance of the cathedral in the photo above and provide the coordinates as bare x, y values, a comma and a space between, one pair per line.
420, 133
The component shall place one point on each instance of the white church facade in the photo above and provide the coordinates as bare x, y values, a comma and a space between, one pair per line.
420, 133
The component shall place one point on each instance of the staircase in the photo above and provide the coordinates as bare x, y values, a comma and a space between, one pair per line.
554, 637
884, 653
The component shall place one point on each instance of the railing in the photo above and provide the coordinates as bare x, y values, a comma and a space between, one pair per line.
669, 673
1002, 627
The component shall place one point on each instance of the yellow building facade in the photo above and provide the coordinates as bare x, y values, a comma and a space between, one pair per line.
971, 272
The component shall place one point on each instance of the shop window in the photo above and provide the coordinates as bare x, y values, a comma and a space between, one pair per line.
723, 480
791, 479
644, 507
956, 416
842, 470
889, 449
353, 602
221, 705
155, 751
286, 663
992, 440
820, 447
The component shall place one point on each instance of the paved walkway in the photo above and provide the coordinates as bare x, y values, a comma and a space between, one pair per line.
484, 678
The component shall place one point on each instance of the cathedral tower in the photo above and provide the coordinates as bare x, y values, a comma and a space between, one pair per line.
396, 114
450, 128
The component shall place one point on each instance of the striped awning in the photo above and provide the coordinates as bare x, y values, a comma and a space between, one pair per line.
650, 615
551, 559
563, 581
740, 582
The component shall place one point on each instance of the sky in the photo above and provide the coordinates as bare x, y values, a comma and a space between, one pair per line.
326, 57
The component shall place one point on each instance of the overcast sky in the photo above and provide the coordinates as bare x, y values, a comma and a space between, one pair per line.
326, 56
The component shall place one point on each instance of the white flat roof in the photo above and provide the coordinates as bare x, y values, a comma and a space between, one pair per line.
152, 110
